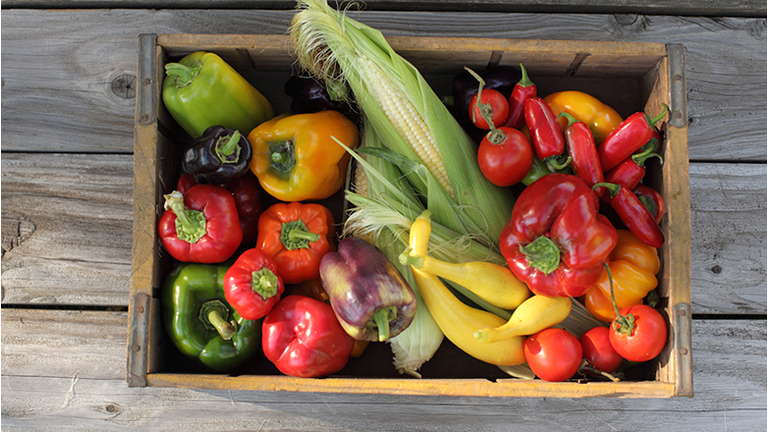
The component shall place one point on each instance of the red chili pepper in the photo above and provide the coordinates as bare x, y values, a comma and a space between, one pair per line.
296, 236
546, 136
252, 285
200, 225
630, 172
247, 194
633, 133
583, 151
633, 213
303, 338
523, 90
555, 240
651, 199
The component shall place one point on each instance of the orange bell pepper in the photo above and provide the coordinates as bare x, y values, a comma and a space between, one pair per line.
633, 266
600, 118
296, 157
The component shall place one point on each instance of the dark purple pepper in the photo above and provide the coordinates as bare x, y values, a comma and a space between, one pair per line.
310, 96
500, 78
220, 156
371, 299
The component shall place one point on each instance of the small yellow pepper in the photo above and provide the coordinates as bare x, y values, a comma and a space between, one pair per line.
296, 157
600, 118
457, 320
633, 266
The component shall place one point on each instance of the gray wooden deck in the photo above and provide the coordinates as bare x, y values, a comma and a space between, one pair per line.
67, 167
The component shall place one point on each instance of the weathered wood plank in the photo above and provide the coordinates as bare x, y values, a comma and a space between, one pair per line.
66, 232
72, 391
59, 57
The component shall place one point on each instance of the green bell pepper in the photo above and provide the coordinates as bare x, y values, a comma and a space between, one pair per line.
201, 323
202, 90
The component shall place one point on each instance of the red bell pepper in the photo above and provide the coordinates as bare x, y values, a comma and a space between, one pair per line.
546, 135
296, 236
302, 338
252, 285
633, 213
200, 225
629, 136
583, 151
630, 172
523, 90
247, 194
556, 241
651, 199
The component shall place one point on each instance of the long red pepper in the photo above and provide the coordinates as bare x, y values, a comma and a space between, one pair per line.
651, 199
633, 133
546, 135
634, 214
583, 151
523, 90
631, 171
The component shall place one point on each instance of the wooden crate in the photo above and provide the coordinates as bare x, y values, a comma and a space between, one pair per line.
628, 76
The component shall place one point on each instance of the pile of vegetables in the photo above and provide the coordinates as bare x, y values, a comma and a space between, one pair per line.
435, 244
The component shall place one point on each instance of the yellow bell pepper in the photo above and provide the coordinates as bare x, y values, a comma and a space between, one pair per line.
296, 157
600, 118
633, 266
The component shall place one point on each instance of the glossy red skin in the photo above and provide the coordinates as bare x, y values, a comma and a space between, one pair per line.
627, 173
598, 351
247, 194
633, 133
636, 217
237, 285
516, 116
508, 162
546, 135
648, 337
302, 338
297, 265
584, 159
553, 354
223, 232
565, 209
642, 190
499, 107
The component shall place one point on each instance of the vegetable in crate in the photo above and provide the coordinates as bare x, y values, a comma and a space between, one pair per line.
651, 199
296, 157
202, 90
220, 156
252, 285
629, 172
553, 354
581, 147
303, 338
601, 118
634, 214
200, 322
632, 134
555, 240
500, 78
534, 315
488, 108
638, 333
546, 134
633, 266
201, 225
310, 95
598, 351
296, 236
523, 90
369, 296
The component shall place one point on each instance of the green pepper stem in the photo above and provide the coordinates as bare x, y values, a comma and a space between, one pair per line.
640, 158
625, 323
652, 121
184, 74
228, 147
190, 224
214, 314
264, 282
571, 119
295, 235
556, 163
524, 80
381, 317
613, 189
649, 204
543, 254
300, 234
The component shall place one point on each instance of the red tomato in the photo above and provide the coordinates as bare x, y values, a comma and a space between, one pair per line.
647, 338
553, 354
494, 104
597, 350
508, 162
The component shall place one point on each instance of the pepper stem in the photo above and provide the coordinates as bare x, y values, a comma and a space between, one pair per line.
382, 317
228, 147
264, 282
190, 224
524, 80
571, 119
640, 158
649, 204
282, 157
652, 121
613, 189
543, 254
622, 323
214, 314
556, 163
184, 74
295, 235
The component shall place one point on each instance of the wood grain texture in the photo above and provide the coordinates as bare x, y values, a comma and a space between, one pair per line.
49, 384
59, 57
